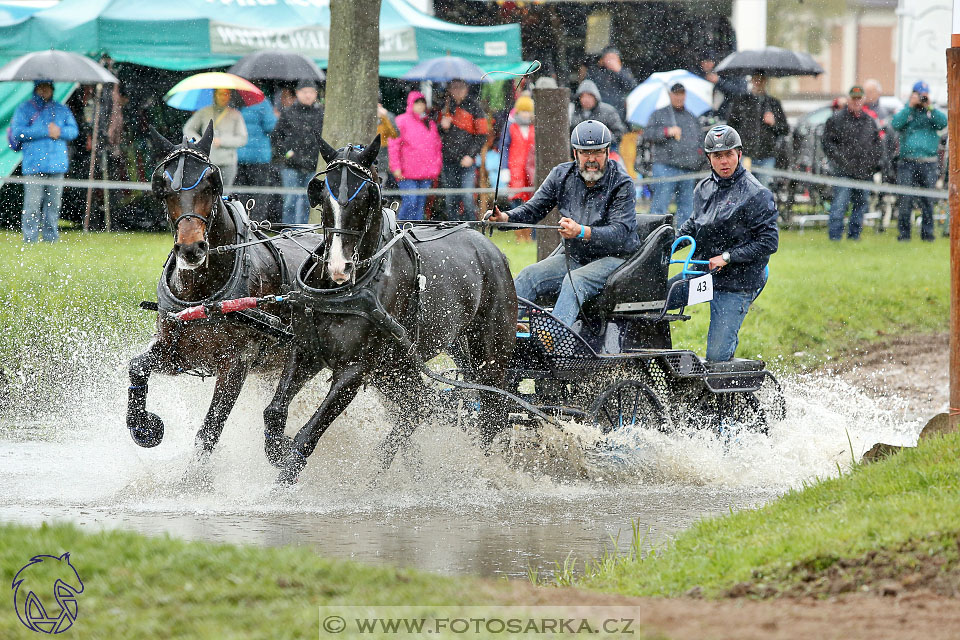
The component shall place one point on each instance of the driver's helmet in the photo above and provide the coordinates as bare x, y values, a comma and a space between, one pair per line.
721, 138
591, 134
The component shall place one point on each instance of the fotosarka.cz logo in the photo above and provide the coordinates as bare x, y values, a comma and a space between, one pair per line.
45, 594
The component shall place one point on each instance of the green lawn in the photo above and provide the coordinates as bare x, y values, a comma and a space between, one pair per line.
824, 298
909, 500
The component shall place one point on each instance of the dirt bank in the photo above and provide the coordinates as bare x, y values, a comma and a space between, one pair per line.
914, 369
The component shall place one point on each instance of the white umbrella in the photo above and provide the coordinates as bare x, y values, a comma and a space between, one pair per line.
59, 66
654, 93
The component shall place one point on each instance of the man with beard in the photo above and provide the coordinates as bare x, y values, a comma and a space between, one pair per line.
598, 223
734, 224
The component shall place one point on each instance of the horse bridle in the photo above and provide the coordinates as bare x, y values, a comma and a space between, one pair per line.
366, 176
176, 184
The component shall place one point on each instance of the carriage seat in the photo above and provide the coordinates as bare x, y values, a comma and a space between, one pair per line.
639, 285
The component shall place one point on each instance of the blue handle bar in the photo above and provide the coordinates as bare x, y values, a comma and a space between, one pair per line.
686, 262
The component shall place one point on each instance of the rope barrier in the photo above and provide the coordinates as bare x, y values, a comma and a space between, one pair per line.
796, 176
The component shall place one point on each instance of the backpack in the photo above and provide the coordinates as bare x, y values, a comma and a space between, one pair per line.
16, 142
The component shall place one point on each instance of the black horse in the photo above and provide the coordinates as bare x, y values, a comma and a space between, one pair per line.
375, 305
202, 220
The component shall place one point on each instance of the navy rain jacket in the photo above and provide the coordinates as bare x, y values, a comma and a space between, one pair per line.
608, 208
739, 215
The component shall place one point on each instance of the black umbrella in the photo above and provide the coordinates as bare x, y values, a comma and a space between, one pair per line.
277, 65
61, 66
771, 61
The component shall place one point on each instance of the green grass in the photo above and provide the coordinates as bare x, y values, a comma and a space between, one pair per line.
912, 496
824, 298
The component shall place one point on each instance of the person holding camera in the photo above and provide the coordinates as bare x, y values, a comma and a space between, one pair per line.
918, 124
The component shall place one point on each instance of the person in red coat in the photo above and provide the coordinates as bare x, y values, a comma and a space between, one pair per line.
415, 155
518, 147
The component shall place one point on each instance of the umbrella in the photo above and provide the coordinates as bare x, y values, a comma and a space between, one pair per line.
196, 91
277, 65
654, 93
445, 69
772, 61
60, 66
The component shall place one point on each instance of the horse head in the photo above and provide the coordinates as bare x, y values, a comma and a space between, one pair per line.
190, 187
348, 195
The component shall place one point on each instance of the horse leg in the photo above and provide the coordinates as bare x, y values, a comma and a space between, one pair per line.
490, 357
346, 384
301, 366
225, 396
146, 428
408, 393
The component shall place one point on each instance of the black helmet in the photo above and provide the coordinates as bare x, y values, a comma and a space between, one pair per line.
591, 134
721, 138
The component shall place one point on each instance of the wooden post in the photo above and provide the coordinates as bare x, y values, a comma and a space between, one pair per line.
552, 148
953, 111
93, 156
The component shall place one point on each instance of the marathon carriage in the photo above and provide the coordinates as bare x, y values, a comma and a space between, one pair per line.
616, 367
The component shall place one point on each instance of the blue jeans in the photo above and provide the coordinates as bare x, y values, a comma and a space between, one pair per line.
411, 206
765, 178
727, 311
548, 276
41, 206
842, 196
456, 177
916, 174
296, 207
663, 192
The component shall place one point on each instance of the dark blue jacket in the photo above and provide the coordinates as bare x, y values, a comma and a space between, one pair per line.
608, 208
739, 215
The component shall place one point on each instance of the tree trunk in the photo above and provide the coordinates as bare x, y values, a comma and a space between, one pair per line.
350, 107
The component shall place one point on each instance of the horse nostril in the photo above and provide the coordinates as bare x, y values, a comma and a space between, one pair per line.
177, 248
203, 246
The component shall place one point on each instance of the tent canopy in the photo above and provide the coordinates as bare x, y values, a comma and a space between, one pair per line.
197, 34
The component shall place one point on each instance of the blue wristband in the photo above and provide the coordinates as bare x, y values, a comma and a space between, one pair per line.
583, 230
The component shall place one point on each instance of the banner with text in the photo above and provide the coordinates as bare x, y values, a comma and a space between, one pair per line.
311, 41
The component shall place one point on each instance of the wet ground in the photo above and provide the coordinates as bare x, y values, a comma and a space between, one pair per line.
443, 506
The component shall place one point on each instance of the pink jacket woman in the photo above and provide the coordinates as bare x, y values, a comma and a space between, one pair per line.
416, 150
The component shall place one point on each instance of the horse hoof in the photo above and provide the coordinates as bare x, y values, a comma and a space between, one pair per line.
277, 449
290, 470
145, 429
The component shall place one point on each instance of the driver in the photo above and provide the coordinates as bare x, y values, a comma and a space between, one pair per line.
598, 223
734, 224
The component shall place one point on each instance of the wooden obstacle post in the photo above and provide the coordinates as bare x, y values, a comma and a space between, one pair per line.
953, 129
552, 148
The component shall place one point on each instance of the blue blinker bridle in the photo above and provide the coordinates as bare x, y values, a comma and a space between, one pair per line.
161, 189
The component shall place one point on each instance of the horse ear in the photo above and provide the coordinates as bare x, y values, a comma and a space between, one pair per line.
326, 151
160, 141
369, 154
206, 140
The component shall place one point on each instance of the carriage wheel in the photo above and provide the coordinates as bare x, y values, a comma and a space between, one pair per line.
628, 403
720, 411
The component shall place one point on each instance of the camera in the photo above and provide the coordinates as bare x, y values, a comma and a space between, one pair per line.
924, 100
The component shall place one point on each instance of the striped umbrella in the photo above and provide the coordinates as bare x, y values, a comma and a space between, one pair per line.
196, 91
654, 93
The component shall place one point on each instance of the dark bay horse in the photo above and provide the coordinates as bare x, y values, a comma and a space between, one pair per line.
202, 220
375, 305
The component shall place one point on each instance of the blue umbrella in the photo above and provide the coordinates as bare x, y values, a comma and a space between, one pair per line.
445, 69
654, 93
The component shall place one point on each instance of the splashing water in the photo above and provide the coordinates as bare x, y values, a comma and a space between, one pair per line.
443, 505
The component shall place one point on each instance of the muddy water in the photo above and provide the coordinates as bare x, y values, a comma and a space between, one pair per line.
443, 506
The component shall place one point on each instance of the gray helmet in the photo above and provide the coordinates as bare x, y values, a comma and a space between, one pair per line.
721, 138
591, 134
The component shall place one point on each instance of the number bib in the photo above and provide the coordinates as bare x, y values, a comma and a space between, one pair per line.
701, 289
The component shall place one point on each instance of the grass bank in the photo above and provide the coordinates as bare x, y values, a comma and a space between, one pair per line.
824, 298
898, 519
